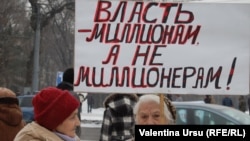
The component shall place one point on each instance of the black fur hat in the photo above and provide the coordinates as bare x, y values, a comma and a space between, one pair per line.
68, 75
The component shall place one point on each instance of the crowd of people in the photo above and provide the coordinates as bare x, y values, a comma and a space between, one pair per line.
56, 115
56, 112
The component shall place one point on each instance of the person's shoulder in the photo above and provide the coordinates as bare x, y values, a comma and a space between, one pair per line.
28, 129
65, 86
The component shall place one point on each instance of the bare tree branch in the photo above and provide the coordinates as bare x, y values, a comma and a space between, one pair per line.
46, 17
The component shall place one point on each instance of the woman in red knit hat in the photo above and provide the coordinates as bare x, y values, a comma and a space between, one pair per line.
56, 117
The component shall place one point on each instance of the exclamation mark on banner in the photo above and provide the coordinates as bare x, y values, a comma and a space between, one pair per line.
231, 73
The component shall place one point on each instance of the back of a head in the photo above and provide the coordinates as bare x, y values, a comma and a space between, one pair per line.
68, 80
8, 97
68, 75
5, 92
10, 115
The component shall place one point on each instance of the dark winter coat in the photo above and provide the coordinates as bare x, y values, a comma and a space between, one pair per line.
227, 102
118, 119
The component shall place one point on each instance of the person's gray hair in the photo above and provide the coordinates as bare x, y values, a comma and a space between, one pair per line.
155, 98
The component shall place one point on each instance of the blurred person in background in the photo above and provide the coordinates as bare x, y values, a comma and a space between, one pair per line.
90, 102
147, 111
242, 104
118, 118
56, 117
11, 121
178, 98
207, 99
227, 101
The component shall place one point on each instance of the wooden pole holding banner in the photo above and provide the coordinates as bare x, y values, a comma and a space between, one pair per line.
162, 108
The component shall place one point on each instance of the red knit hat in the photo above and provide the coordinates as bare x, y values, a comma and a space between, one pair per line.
52, 106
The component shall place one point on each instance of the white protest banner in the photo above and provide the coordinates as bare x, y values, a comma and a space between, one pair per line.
160, 47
